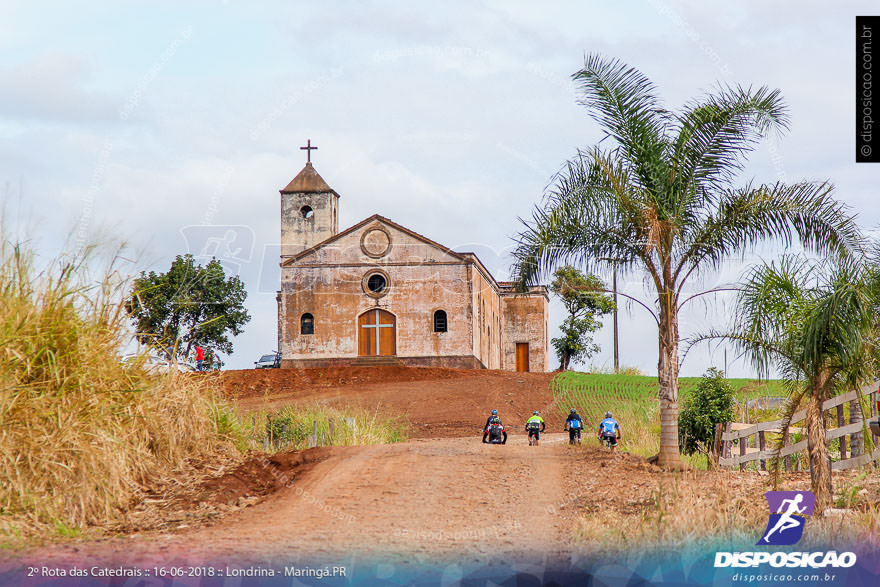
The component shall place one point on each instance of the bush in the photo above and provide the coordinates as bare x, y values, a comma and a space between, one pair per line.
709, 404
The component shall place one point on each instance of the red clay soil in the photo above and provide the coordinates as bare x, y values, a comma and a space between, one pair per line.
437, 402
261, 475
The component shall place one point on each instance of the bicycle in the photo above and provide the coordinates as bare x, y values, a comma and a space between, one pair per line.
610, 442
533, 436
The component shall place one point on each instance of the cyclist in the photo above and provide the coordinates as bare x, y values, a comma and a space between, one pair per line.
492, 416
534, 426
574, 424
610, 429
493, 419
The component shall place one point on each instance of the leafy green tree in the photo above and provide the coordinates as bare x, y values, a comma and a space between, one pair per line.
711, 403
816, 322
583, 300
187, 306
658, 195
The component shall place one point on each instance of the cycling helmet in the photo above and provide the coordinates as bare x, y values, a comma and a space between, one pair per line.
573, 411
535, 413
494, 412
607, 414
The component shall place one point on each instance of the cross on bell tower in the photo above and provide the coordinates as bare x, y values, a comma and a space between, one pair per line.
309, 209
308, 149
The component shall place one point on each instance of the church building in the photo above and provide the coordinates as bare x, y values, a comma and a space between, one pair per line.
380, 293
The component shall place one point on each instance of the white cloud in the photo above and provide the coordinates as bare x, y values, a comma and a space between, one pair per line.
54, 87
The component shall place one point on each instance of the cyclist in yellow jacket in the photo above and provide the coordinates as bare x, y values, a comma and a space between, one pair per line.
534, 426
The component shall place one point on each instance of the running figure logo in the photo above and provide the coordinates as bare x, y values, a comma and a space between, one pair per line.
787, 516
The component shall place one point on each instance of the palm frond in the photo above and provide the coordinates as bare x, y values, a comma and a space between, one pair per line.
623, 101
715, 133
745, 217
591, 216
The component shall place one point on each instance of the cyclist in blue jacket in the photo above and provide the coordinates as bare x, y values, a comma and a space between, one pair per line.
574, 424
610, 429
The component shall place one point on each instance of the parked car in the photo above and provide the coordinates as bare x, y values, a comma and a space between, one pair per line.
270, 361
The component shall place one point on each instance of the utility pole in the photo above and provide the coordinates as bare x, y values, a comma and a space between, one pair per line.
614, 293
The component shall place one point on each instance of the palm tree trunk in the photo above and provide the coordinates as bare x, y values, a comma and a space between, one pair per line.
857, 441
667, 375
820, 467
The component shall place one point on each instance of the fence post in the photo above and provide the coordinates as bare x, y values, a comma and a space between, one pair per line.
268, 440
743, 444
761, 445
313, 438
842, 439
787, 458
716, 442
725, 444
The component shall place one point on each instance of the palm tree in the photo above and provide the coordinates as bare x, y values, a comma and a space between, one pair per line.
660, 198
817, 323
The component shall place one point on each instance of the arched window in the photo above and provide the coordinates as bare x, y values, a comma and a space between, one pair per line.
307, 324
439, 321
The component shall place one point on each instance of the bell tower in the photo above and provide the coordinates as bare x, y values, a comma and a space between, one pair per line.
309, 210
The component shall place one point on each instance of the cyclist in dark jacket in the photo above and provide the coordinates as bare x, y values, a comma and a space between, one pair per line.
574, 424
493, 419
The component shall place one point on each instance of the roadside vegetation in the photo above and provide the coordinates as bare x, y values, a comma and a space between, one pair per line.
81, 432
300, 427
86, 436
698, 511
633, 401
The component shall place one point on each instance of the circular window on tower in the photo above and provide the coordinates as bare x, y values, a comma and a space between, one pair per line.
306, 212
376, 283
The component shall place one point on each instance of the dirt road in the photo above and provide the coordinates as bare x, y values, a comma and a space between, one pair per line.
423, 500
427, 498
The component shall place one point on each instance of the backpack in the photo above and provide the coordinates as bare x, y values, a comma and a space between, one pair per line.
575, 424
533, 425
494, 420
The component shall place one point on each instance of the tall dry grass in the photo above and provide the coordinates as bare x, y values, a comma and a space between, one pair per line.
722, 510
681, 510
80, 432
290, 427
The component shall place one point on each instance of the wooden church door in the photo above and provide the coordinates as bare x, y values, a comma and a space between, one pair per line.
377, 334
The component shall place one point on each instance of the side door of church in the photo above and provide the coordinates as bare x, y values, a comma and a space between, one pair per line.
522, 356
377, 334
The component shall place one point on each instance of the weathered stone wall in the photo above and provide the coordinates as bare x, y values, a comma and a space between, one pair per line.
299, 233
329, 284
483, 321
526, 320
454, 362
487, 325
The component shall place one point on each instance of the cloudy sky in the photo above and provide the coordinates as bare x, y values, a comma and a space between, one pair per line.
164, 122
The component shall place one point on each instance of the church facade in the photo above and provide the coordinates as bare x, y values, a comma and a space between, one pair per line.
378, 292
